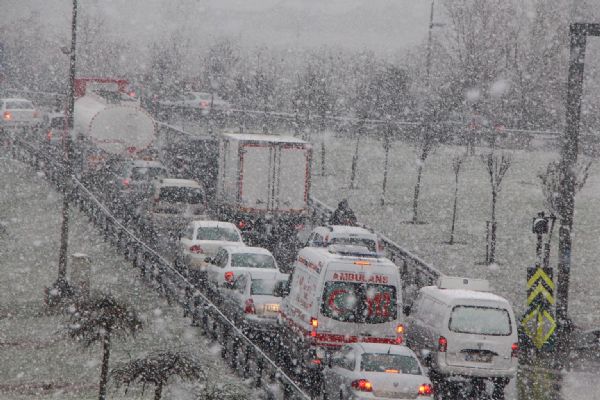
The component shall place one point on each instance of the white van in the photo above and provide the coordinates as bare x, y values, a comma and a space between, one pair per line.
339, 295
464, 334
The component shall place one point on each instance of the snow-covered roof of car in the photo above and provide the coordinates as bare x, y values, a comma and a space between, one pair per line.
350, 230
451, 295
381, 348
212, 224
180, 183
264, 273
236, 249
261, 137
146, 163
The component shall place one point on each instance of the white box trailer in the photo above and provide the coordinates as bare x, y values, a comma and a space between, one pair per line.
264, 173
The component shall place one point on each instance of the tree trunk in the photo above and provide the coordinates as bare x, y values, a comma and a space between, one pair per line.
416, 198
104, 371
385, 174
354, 164
492, 257
454, 212
158, 391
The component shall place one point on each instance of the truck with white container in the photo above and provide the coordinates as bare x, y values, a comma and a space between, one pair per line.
263, 184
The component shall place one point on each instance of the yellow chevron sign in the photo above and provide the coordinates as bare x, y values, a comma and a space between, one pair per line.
540, 289
539, 326
539, 273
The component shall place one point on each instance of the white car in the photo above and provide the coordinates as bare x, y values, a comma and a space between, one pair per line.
233, 260
375, 371
323, 236
202, 239
254, 298
18, 113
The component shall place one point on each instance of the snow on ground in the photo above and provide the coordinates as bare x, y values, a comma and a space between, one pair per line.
519, 201
34, 354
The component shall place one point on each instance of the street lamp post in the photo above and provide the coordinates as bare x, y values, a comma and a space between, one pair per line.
429, 39
61, 285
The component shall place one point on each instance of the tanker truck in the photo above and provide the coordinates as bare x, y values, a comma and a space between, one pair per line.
108, 126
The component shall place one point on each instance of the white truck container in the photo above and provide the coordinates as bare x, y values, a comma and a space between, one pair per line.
263, 181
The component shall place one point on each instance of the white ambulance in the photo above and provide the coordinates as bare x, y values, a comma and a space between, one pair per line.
338, 295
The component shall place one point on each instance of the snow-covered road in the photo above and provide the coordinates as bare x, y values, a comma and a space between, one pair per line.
37, 360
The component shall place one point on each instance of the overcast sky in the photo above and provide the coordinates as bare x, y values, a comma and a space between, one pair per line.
380, 25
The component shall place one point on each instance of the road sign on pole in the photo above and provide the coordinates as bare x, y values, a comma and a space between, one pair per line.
538, 322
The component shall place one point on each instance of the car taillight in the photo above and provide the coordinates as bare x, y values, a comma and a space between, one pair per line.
442, 344
125, 182
7, 116
425, 390
241, 224
249, 307
49, 135
203, 104
514, 350
362, 385
399, 333
314, 324
36, 114
228, 276
196, 249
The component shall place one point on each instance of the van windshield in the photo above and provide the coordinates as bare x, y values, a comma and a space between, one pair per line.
480, 320
179, 194
359, 302
368, 243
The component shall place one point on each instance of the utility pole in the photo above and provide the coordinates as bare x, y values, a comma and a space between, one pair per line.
428, 59
61, 285
570, 147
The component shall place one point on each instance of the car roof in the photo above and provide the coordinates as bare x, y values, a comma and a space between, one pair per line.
347, 230
212, 224
382, 348
236, 249
263, 273
261, 137
457, 295
179, 183
146, 163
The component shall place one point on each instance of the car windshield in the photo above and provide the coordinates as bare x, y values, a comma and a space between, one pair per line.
217, 233
368, 243
19, 105
252, 260
359, 302
264, 287
147, 173
177, 194
480, 320
390, 363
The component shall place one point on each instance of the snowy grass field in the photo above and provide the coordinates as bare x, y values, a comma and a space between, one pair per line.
37, 360
519, 201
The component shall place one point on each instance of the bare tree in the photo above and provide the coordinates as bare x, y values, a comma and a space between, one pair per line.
551, 181
496, 167
157, 369
456, 164
97, 319
425, 144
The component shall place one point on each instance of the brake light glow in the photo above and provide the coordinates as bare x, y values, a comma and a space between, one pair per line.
125, 182
196, 249
392, 371
203, 104
514, 350
400, 329
242, 224
7, 116
314, 324
442, 344
228, 276
363, 385
49, 135
249, 306
425, 390
362, 263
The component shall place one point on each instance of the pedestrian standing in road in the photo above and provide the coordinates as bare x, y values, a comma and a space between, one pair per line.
343, 215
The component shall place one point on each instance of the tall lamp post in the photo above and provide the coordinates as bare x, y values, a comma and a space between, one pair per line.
429, 39
61, 286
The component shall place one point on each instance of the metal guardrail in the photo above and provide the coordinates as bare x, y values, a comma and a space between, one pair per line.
171, 281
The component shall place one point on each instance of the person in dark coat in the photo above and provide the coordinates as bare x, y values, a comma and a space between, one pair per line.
343, 215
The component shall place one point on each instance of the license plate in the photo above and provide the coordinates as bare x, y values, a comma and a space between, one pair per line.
272, 307
478, 357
